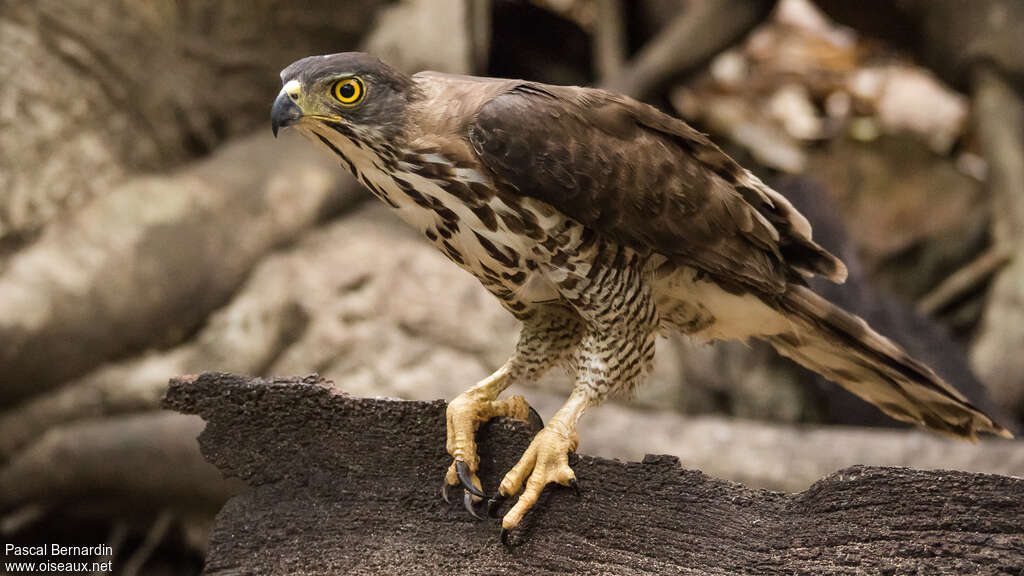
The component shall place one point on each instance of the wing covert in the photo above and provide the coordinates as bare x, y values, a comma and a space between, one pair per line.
647, 180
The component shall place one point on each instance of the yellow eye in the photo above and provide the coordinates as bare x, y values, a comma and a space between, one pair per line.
349, 91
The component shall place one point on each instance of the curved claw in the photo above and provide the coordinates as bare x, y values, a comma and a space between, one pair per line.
444, 493
467, 501
575, 485
462, 469
493, 504
535, 420
504, 537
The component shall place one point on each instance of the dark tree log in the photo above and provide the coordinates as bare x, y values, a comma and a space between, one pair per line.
344, 485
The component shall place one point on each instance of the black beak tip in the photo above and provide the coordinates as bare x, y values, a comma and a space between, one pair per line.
283, 113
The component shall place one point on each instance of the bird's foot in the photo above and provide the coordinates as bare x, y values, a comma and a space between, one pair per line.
465, 414
545, 461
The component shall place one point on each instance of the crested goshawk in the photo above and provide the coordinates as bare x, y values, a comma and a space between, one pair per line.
598, 222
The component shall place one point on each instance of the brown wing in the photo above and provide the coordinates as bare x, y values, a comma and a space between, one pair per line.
647, 180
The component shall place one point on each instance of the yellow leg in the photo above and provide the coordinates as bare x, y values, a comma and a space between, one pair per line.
546, 460
465, 414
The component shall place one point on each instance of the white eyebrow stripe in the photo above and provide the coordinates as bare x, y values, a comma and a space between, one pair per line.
292, 88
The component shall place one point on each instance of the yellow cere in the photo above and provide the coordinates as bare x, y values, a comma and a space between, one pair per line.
348, 91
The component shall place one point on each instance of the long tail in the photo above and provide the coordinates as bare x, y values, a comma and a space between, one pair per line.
844, 349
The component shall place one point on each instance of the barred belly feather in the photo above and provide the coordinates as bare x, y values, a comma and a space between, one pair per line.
475, 237
559, 265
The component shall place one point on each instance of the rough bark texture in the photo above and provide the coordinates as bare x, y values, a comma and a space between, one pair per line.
344, 485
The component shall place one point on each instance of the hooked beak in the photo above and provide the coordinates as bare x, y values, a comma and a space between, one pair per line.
285, 111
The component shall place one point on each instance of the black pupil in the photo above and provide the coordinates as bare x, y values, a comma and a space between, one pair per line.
347, 90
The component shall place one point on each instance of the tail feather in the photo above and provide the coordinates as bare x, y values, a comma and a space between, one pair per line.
844, 349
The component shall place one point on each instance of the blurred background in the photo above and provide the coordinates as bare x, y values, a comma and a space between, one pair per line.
150, 227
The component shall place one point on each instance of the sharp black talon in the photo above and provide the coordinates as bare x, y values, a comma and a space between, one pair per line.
462, 469
504, 537
535, 419
575, 485
444, 493
493, 504
467, 501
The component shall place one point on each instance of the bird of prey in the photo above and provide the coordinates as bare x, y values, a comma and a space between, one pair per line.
599, 222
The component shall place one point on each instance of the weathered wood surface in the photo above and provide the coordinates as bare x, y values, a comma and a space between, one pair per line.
345, 485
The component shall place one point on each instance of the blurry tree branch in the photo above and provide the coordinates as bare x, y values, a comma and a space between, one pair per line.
701, 30
148, 459
479, 28
113, 390
155, 85
443, 35
999, 123
157, 531
965, 280
145, 264
610, 49
949, 36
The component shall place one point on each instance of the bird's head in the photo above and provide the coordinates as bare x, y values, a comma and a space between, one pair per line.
351, 94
